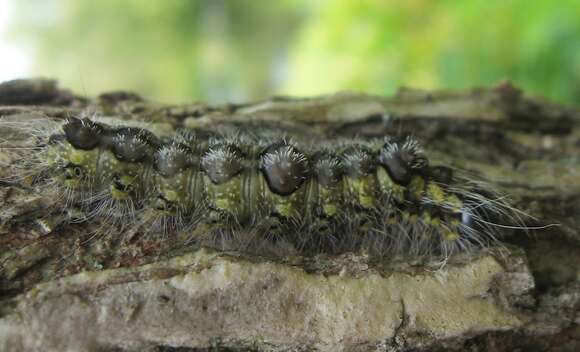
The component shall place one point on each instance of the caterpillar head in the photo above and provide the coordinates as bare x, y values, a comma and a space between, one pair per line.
284, 167
328, 169
402, 170
126, 155
358, 162
360, 165
83, 134
174, 167
73, 154
222, 162
402, 160
329, 173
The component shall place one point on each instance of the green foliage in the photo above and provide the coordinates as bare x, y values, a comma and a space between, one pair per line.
377, 45
182, 50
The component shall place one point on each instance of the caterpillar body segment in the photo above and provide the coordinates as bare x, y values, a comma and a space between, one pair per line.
382, 194
107, 172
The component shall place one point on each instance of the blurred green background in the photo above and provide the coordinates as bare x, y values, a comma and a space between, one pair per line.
235, 50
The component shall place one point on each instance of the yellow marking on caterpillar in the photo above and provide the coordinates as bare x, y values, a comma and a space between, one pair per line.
363, 189
171, 196
226, 196
454, 203
435, 193
292, 205
450, 232
416, 187
330, 198
388, 187
128, 181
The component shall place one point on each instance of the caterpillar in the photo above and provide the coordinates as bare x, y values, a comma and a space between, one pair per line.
244, 188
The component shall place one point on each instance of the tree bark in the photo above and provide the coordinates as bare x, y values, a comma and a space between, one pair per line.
60, 291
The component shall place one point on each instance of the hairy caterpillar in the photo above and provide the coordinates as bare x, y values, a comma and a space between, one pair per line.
243, 188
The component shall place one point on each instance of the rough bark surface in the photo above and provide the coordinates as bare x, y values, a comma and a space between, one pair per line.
59, 291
